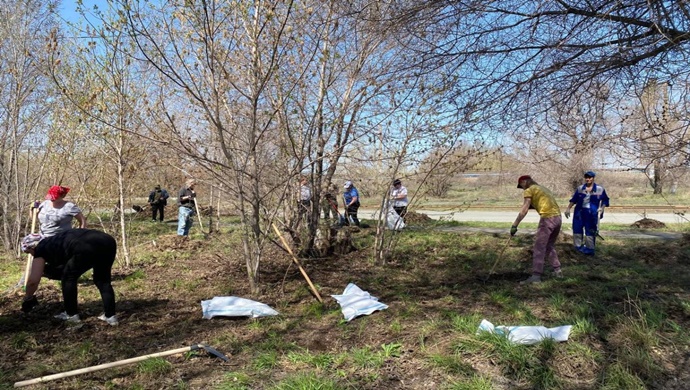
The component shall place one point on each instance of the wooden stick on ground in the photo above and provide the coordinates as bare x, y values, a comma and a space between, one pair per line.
294, 258
115, 364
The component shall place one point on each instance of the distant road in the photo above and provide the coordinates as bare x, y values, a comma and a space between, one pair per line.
611, 216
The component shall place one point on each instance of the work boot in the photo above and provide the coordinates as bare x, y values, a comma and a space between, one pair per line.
110, 320
532, 279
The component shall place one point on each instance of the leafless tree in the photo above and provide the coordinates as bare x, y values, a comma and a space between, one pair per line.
24, 109
219, 60
99, 76
572, 135
657, 135
506, 57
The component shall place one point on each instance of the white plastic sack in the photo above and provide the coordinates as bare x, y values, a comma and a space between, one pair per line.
527, 335
393, 220
235, 307
355, 302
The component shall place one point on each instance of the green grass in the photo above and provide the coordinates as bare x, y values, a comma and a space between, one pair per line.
154, 367
629, 308
307, 381
234, 381
474, 382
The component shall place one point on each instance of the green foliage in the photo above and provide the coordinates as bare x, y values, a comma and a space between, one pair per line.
154, 366
465, 324
475, 382
315, 310
396, 327
266, 360
234, 381
320, 361
5, 382
306, 381
23, 341
136, 275
391, 350
365, 358
451, 364
11, 272
618, 377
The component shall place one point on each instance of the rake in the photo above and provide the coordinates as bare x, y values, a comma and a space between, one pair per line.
499, 257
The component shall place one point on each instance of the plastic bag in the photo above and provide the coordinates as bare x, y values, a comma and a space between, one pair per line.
355, 302
527, 335
393, 220
235, 307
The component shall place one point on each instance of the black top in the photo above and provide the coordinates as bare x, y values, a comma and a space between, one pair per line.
57, 250
184, 191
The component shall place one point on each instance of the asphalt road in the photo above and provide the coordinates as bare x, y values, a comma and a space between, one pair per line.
509, 216
532, 216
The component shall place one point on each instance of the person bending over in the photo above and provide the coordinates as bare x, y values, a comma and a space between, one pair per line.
65, 257
542, 200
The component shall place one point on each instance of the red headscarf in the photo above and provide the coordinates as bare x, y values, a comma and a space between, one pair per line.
56, 192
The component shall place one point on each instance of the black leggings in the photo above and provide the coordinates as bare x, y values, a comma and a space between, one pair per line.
95, 251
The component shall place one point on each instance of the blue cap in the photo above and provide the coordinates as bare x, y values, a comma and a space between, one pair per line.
590, 174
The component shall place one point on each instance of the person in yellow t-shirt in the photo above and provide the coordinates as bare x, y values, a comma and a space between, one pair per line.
540, 199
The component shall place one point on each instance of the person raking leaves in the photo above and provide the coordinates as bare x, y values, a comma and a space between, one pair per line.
542, 200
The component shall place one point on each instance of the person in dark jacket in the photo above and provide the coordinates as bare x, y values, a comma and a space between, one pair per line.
158, 199
65, 257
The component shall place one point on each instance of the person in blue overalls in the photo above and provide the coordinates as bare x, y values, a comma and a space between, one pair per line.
351, 202
589, 200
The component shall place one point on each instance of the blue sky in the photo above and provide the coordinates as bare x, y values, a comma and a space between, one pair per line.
67, 8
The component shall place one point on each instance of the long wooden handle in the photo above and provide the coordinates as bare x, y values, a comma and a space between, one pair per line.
102, 366
198, 214
30, 259
294, 258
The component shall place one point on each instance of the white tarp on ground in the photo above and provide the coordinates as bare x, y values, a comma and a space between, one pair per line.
355, 302
527, 335
235, 307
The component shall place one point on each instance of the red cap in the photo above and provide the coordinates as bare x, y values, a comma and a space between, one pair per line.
523, 177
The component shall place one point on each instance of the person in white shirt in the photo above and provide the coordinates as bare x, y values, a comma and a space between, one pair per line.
399, 198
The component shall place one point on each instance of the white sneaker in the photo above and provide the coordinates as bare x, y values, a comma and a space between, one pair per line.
110, 320
65, 317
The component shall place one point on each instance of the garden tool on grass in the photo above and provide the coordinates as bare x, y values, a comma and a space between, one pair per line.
198, 214
211, 351
500, 255
294, 259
